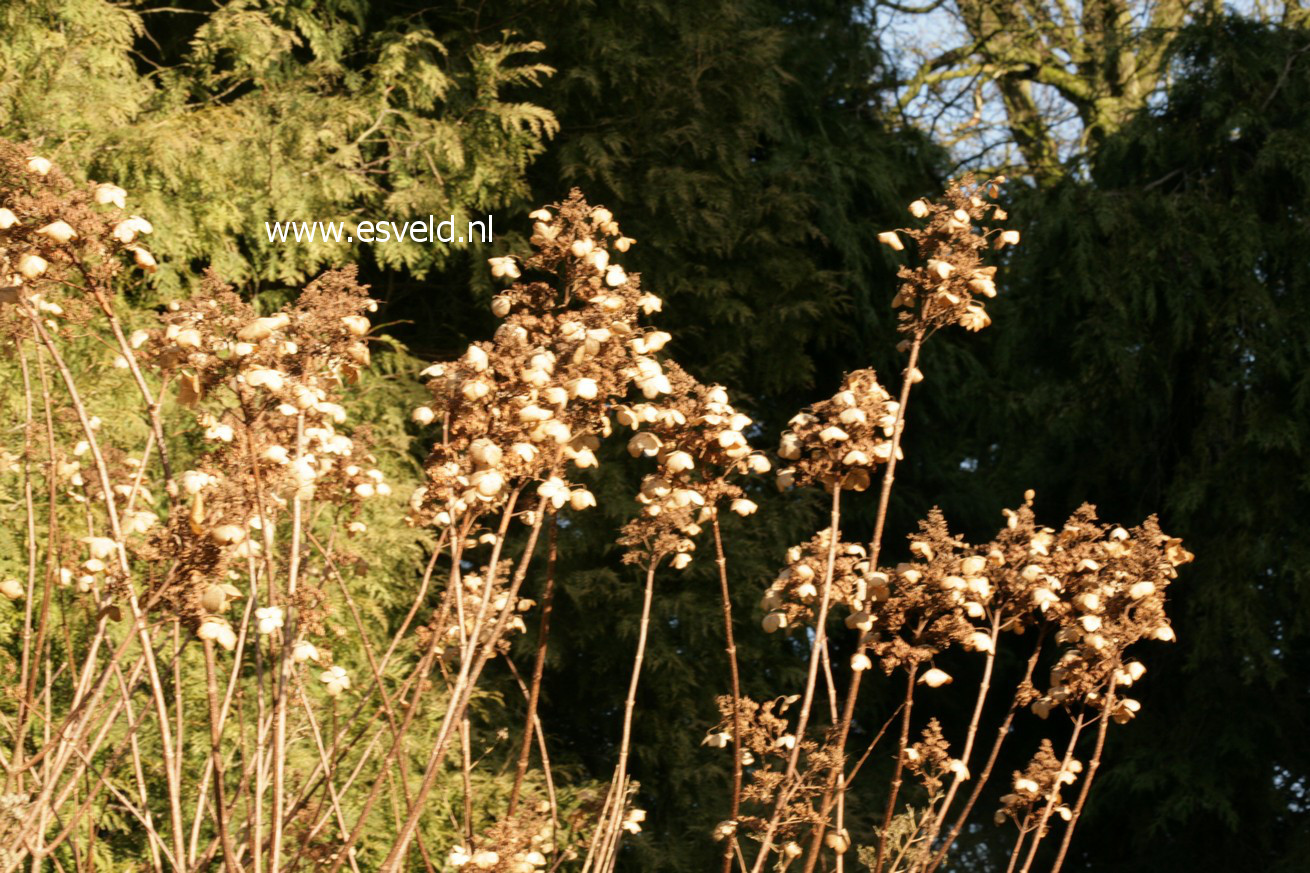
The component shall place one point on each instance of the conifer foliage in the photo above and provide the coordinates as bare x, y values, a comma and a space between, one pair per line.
224, 117
1201, 309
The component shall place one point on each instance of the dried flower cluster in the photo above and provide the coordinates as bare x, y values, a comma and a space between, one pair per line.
1039, 783
946, 288
768, 741
1104, 588
518, 408
1093, 589
523, 844
697, 439
791, 599
570, 360
841, 440
1098, 588
62, 236
930, 760
266, 394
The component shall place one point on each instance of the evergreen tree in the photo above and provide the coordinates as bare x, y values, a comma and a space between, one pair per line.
220, 117
1151, 352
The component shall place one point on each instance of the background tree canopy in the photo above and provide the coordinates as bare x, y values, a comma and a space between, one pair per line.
224, 116
1158, 359
1150, 349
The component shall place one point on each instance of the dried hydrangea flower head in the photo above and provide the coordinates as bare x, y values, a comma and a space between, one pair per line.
932, 604
266, 394
790, 600
1037, 786
1098, 589
1109, 585
62, 244
930, 760
1101, 586
696, 438
525, 843
950, 281
453, 627
768, 740
697, 420
520, 407
839, 441
649, 539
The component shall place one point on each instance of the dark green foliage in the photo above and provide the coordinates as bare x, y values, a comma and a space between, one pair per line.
1151, 353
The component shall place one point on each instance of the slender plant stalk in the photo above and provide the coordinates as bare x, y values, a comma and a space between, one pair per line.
608, 860
332, 791
980, 781
836, 781
541, 750
807, 699
600, 838
1092, 766
170, 764
399, 780
470, 670
898, 769
283, 675
725, 593
1024, 830
421, 670
27, 670
138, 771
538, 666
466, 774
216, 752
971, 734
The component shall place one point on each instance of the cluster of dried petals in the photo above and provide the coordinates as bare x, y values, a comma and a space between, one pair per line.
1037, 786
767, 743
793, 597
697, 440
1113, 597
523, 844
930, 761
1101, 586
100, 566
93, 560
59, 239
839, 441
455, 623
535, 398
266, 394
697, 421
931, 604
947, 286
649, 539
